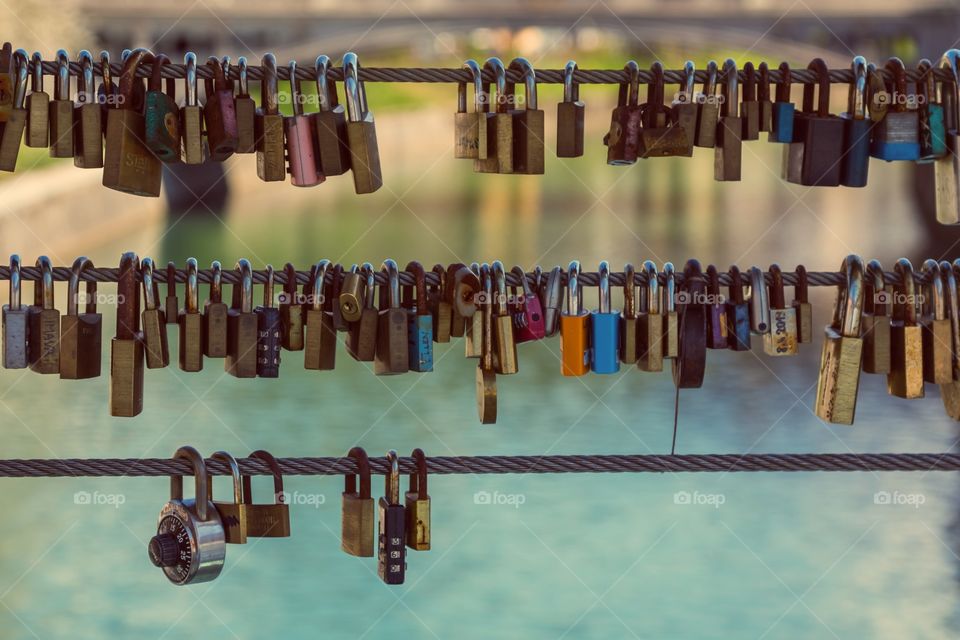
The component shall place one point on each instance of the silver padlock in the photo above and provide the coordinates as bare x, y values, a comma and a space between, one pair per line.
14, 322
190, 544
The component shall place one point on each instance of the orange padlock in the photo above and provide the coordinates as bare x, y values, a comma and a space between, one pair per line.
574, 328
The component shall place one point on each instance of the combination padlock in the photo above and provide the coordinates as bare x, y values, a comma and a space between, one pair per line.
391, 550
268, 332
528, 318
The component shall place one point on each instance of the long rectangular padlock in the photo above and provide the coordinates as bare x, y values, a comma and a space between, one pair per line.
574, 328
605, 328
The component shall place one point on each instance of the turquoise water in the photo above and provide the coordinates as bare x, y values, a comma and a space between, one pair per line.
574, 556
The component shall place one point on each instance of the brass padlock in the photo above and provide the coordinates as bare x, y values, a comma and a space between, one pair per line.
11, 131
905, 379
44, 323
38, 106
356, 512
950, 393
242, 326
362, 335
466, 124
392, 354
329, 124
190, 322
417, 504
61, 111
628, 318
473, 334
152, 320
126, 348
191, 114
749, 105
486, 378
660, 136
87, 119
802, 304
269, 125
495, 124
320, 341
350, 299
570, 115
671, 320
947, 168
80, 333
215, 317
267, 520
291, 312
709, 109
233, 514
245, 107
171, 307
528, 122
650, 322
781, 338
441, 306
361, 130
729, 146
876, 321
15, 322
937, 332
684, 109
506, 345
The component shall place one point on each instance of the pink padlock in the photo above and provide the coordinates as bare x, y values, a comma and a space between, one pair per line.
528, 322
301, 161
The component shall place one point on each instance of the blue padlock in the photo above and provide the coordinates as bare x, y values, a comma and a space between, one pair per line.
605, 328
738, 313
419, 321
933, 131
897, 136
857, 128
783, 109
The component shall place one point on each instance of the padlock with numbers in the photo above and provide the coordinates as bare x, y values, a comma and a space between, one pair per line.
350, 300
802, 304
811, 159
242, 327
420, 322
528, 122
729, 145
604, 328
215, 317
528, 319
574, 328
857, 130
628, 317
759, 303
291, 311
44, 323
937, 332
38, 107
161, 115
717, 334
246, 110
781, 339
897, 136
763, 97
933, 133
267, 520
690, 363
392, 347
191, 115
171, 307
361, 130
783, 109
749, 105
87, 119
839, 378
466, 124
623, 138
128, 165
356, 510
332, 152
684, 109
80, 333
268, 125
155, 346
659, 135
650, 322
362, 335
219, 114
495, 125
946, 170
505, 362
905, 379
671, 319
417, 504
233, 513
11, 131
126, 348
320, 340
61, 111
486, 378
15, 322
298, 130
441, 307
876, 321
268, 332
708, 113
190, 322
738, 313
391, 545
570, 115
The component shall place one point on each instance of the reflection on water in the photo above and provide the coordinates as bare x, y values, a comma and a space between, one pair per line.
788, 555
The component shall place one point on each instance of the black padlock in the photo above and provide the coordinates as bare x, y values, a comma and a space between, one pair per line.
814, 157
268, 332
391, 549
857, 129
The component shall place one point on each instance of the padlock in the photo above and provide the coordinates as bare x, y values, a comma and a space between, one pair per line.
44, 323
650, 322
15, 322
802, 304
162, 116
528, 322
659, 136
628, 317
691, 361
839, 378
528, 122
858, 127
486, 378
350, 300
570, 115
61, 111
473, 336
604, 328
763, 97
391, 547
215, 317
708, 112
233, 514
8, 80
191, 115
269, 125
171, 307
190, 544
905, 379
271, 520
126, 348
552, 302
671, 319
291, 311
242, 327
574, 328
419, 321
190, 322
466, 124
933, 133
268, 332
332, 153
749, 105
392, 355
946, 170
87, 119
441, 307
298, 129
623, 139
729, 147
463, 286
362, 337
811, 159
361, 130
937, 336
781, 339
717, 334
332, 301
496, 125
11, 131
417, 505
80, 333
356, 510
38, 106
108, 93
155, 346
876, 322
128, 165
505, 360
784, 110
738, 313
759, 303
320, 341
219, 114
950, 393
897, 136
685, 110
245, 108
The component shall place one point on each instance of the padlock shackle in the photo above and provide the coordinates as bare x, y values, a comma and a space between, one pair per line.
801, 288
857, 100
874, 283
391, 293
759, 302
571, 89
216, 282
218, 82
710, 83
938, 303
629, 92
245, 297
777, 294
190, 80
326, 88
736, 285
500, 295
234, 473
603, 287
823, 89
689, 86
848, 311
895, 67
86, 87
368, 272
553, 293
151, 290
650, 293
953, 307
289, 283
574, 292
629, 291
20, 89
391, 487
521, 275
949, 96
478, 99
749, 93
191, 296
201, 485
106, 74
419, 287
906, 288
529, 82
763, 88
363, 466
441, 273
73, 287
927, 83
655, 95
43, 288
355, 93
269, 85
295, 98
499, 100
171, 278
15, 281
784, 84
669, 288
128, 76
318, 274
713, 282
268, 287
61, 88
731, 103
155, 83
243, 84
278, 493
36, 72
693, 280
418, 480
128, 297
